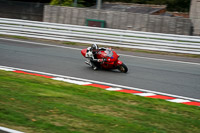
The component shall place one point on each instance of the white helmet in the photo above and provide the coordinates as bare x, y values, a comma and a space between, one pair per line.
94, 47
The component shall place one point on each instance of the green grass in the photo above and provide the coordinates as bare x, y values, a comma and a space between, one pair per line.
34, 104
76, 43
17, 37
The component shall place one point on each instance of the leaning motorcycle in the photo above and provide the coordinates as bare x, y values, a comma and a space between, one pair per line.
110, 60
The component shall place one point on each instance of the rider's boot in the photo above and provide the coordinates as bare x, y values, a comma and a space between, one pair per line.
93, 65
94, 68
88, 63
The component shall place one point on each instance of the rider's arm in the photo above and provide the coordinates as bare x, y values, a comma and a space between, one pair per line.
93, 59
88, 53
98, 60
102, 48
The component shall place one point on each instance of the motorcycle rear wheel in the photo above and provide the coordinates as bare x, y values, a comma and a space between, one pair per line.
123, 68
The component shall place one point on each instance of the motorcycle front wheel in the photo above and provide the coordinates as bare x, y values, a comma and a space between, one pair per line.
123, 68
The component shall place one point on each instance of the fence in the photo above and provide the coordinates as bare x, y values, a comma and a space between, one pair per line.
119, 20
102, 36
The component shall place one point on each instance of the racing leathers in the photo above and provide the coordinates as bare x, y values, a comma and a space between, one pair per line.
92, 57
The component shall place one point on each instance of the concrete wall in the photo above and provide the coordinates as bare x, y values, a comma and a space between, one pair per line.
195, 15
118, 20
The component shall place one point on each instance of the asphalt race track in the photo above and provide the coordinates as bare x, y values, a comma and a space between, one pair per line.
167, 74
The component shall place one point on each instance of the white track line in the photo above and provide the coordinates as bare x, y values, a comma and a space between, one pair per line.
145, 94
37, 43
160, 59
6, 69
178, 100
114, 89
104, 83
51, 45
72, 81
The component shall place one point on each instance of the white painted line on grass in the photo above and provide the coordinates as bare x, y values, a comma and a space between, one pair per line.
7, 130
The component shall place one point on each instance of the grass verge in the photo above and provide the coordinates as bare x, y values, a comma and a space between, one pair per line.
35, 104
117, 48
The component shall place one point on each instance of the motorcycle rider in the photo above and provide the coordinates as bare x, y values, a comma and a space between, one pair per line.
92, 55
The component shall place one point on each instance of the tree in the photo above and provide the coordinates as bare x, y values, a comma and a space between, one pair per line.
62, 2
172, 5
89, 3
66, 2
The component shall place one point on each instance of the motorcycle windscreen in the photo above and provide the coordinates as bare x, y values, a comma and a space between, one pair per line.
105, 53
108, 54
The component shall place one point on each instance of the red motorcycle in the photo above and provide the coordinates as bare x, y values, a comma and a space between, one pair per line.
110, 58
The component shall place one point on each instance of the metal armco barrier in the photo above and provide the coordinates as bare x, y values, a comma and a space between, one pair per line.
101, 36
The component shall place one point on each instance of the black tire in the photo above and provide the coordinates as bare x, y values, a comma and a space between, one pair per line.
123, 68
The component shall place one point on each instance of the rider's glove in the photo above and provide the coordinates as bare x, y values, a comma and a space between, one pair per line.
100, 60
